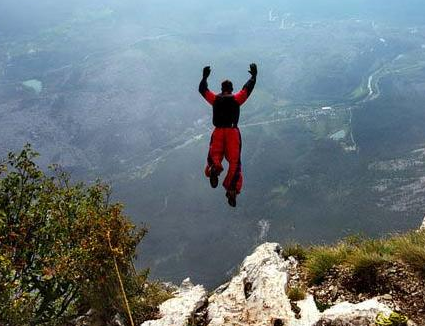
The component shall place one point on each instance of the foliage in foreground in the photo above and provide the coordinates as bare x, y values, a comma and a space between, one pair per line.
55, 259
362, 256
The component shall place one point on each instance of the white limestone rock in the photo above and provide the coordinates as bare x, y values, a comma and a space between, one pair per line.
349, 314
422, 227
178, 310
256, 296
309, 312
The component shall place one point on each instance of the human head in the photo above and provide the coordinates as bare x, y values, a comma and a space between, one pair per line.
227, 86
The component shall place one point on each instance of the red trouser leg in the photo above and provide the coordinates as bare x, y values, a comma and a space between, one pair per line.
216, 151
232, 152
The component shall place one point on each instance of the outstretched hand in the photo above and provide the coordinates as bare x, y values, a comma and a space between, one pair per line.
206, 72
253, 69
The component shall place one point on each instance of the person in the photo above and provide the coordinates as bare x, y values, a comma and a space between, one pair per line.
226, 139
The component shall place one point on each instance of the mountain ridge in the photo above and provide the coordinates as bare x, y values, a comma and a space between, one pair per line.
260, 294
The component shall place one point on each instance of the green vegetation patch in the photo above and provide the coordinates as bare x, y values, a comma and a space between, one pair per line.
335, 126
362, 256
411, 250
295, 250
320, 259
296, 293
64, 247
360, 92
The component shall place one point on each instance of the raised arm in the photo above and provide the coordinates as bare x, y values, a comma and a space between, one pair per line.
246, 90
203, 86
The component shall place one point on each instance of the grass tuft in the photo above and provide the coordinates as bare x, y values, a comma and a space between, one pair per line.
363, 262
368, 256
364, 265
295, 250
410, 249
321, 259
363, 256
296, 293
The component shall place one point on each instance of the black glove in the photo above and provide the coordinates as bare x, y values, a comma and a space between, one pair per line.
253, 69
206, 72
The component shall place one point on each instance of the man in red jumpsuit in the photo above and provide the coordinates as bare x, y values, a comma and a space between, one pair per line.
226, 139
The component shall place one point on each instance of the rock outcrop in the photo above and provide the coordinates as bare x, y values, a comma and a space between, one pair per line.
257, 296
360, 314
179, 310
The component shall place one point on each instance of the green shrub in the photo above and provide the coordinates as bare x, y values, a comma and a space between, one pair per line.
55, 260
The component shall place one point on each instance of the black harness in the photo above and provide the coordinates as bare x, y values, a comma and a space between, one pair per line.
226, 111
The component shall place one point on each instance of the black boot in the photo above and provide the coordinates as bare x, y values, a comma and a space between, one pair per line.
231, 197
213, 177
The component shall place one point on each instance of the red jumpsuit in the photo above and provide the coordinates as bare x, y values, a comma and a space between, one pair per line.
226, 139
